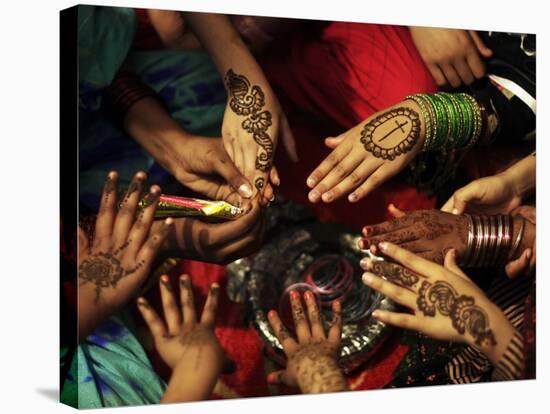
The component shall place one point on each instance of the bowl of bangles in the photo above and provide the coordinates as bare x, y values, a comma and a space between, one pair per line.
324, 259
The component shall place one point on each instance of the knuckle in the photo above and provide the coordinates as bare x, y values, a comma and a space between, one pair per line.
355, 178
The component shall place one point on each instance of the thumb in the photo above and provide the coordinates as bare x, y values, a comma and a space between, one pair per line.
463, 196
450, 264
280, 377
395, 212
518, 266
480, 45
227, 169
333, 142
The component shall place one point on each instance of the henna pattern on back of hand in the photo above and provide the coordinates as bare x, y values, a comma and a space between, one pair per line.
465, 315
391, 133
247, 100
396, 274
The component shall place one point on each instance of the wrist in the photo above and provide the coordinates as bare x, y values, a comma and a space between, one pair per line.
320, 375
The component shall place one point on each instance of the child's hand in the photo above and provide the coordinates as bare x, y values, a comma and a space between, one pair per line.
186, 345
313, 359
115, 264
369, 154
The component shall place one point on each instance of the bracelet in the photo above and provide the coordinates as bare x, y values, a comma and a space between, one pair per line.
489, 241
453, 121
518, 240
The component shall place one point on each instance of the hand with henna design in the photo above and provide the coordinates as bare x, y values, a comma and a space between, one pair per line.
369, 154
428, 233
443, 302
187, 345
115, 262
312, 359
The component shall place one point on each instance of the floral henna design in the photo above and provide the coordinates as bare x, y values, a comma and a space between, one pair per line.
465, 315
103, 270
247, 100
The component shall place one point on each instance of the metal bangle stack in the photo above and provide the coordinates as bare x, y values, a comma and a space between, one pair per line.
490, 240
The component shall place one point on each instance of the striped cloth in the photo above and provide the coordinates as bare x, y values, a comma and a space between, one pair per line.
470, 365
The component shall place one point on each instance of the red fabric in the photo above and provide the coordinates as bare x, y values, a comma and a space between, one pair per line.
330, 84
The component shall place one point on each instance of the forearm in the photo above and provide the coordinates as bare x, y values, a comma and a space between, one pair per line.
224, 44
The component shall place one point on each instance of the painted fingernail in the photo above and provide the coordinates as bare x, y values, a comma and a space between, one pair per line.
327, 196
455, 211
311, 182
271, 378
314, 196
294, 295
271, 314
383, 246
366, 230
365, 263
368, 278
352, 197
245, 191
169, 221
308, 295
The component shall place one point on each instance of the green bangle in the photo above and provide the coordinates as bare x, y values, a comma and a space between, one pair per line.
428, 120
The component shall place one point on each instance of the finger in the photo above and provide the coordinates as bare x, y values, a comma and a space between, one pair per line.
269, 194
227, 170
412, 261
187, 303
476, 64
392, 272
480, 44
387, 226
396, 293
154, 323
150, 248
300, 323
172, 313
464, 71
127, 211
250, 155
224, 233
107, 208
449, 206
274, 176
280, 377
353, 180
401, 320
288, 343
327, 165
374, 181
398, 237
450, 73
142, 225
333, 142
335, 329
245, 245
288, 139
437, 75
314, 316
327, 186
519, 266
463, 196
450, 264
395, 212
211, 306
